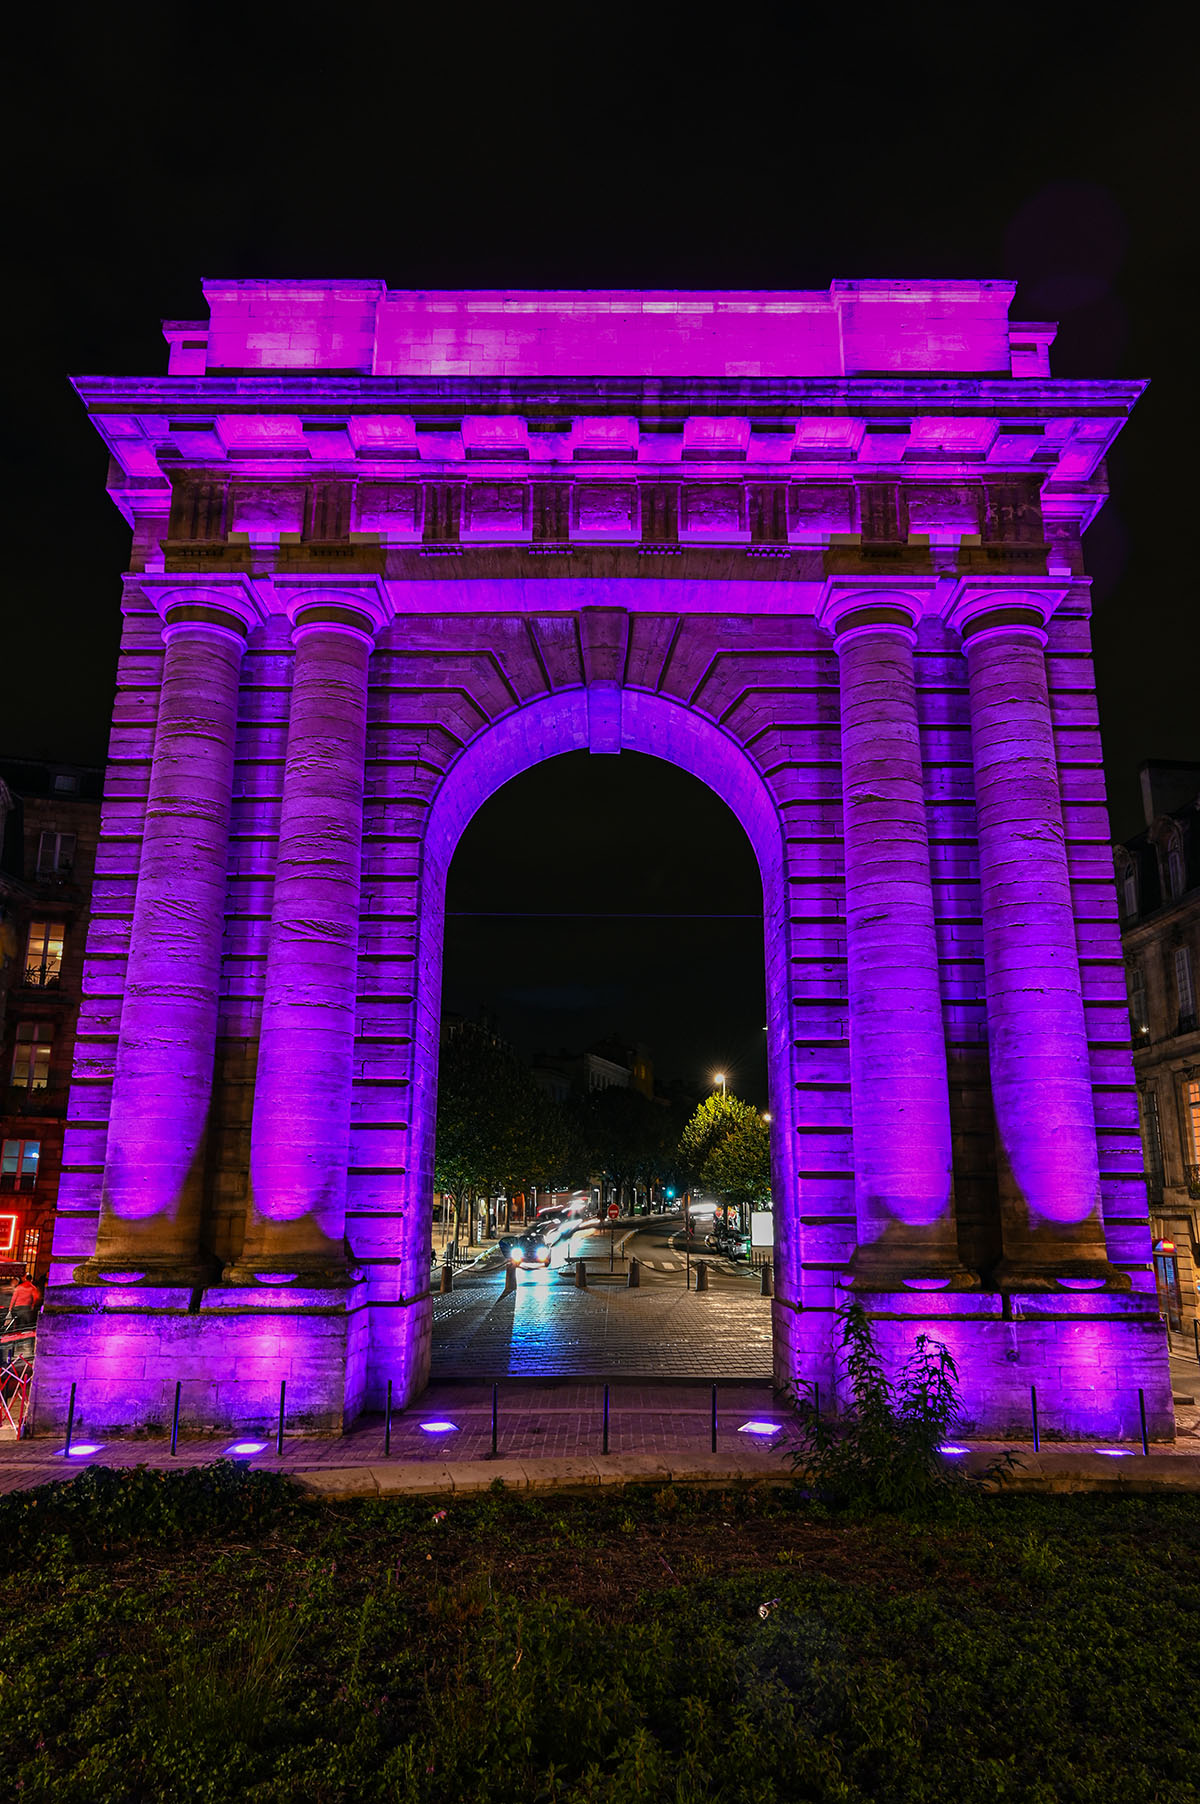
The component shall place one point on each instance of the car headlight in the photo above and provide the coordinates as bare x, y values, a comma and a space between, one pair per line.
515, 1255
544, 1254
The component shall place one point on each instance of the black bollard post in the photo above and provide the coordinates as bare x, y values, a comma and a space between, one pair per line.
279, 1430
1142, 1414
581, 1274
495, 1417
714, 1418
816, 1402
1196, 1334
510, 1277
1037, 1439
701, 1275
387, 1422
605, 1447
633, 1281
447, 1278
764, 1288
70, 1422
175, 1417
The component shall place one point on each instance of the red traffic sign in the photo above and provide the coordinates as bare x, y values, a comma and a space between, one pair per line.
613, 1212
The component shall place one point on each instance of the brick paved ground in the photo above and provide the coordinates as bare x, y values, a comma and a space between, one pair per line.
547, 1327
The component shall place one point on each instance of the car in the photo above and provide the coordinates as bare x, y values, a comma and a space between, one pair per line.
527, 1251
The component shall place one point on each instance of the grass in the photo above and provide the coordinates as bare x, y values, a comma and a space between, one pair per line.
219, 1636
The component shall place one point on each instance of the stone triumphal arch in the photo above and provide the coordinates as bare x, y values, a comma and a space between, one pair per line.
390, 549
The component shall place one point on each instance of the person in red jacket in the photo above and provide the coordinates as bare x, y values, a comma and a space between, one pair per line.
24, 1303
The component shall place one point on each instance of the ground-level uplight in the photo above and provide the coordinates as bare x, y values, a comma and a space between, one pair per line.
1114, 1452
246, 1449
763, 1428
439, 1427
81, 1449
953, 1450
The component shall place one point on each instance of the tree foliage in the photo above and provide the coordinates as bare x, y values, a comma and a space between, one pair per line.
627, 1138
739, 1167
496, 1131
714, 1121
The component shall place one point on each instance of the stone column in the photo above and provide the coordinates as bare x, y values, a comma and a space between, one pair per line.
300, 1133
154, 1171
903, 1164
1037, 1038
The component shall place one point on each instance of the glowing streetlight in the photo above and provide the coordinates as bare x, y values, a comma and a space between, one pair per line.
719, 1078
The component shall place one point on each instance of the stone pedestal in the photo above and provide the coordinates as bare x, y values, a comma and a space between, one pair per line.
125, 1349
1087, 1354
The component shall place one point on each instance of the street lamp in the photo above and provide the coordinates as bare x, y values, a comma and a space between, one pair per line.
719, 1078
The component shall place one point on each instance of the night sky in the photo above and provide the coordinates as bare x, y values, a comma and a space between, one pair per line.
606, 146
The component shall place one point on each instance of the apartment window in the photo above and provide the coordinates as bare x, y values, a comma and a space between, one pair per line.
1176, 877
1185, 990
31, 1058
1151, 1140
1191, 1120
19, 1164
43, 955
56, 852
66, 783
1138, 1012
1129, 896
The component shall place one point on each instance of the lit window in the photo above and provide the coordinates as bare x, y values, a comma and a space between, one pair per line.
1191, 1119
1152, 1139
19, 1164
43, 955
65, 783
56, 852
31, 1059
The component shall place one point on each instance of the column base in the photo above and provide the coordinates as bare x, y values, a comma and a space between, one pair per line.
229, 1347
326, 1274
890, 1269
1014, 1275
174, 1274
1088, 1355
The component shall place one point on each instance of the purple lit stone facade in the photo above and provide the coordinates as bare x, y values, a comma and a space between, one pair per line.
389, 550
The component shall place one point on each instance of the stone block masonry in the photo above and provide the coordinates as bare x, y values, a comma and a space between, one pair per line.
823, 551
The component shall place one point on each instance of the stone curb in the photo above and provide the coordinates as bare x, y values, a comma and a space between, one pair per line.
1061, 1474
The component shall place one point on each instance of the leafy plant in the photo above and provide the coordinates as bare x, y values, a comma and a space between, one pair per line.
885, 1451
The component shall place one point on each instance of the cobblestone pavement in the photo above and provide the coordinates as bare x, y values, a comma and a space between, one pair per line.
548, 1328
535, 1420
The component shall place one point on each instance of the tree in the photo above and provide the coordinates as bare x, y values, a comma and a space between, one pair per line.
496, 1131
627, 1138
715, 1119
739, 1166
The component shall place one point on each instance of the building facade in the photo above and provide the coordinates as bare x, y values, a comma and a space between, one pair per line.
49, 829
822, 550
1158, 886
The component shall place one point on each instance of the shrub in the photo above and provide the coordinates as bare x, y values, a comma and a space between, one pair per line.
885, 1452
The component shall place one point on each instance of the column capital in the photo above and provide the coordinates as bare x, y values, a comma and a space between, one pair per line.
358, 608
849, 607
989, 607
229, 607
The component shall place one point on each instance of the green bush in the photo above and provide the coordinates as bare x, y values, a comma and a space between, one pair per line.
884, 1452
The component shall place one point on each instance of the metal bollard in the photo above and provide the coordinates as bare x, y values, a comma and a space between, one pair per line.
70, 1422
714, 1418
495, 1417
701, 1275
1142, 1415
581, 1274
279, 1431
605, 1449
633, 1281
175, 1417
510, 1277
447, 1278
1037, 1439
387, 1423
765, 1288
1196, 1334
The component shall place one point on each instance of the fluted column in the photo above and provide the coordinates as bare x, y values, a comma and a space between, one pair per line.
1037, 1038
154, 1171
300, 1134
903, 1165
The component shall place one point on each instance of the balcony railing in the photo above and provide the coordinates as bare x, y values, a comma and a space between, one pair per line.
1191, 1175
